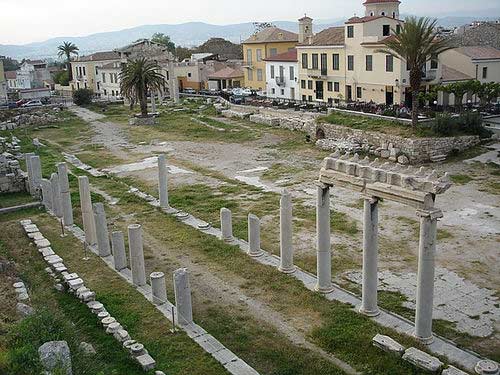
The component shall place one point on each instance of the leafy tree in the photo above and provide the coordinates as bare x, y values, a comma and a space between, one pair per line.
137, 78
416, 43
10, 64
62, 78
486, 91
82, 97
458, 89
183, 53
66, 50
164, 40
259, 26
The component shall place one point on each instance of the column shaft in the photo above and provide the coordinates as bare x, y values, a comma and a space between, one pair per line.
86, 207
286, 233
226, 224
27, 159
136, 254
158, 288
36, 175
101, 227
163, 182
56, 195
67, 209
46, 194
324, 254
370, 258
254, 249
182, 292
118, 246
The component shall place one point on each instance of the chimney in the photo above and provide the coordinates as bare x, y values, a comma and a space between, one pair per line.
305, 29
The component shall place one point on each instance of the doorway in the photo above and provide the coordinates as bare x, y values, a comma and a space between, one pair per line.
319, 90
389, 95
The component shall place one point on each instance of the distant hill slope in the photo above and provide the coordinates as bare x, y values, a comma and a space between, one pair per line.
186, 34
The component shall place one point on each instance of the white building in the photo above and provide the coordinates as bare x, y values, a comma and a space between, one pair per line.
282, 76
32, 74
108, 80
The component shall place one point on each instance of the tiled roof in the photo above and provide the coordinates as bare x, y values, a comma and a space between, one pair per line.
226, 73
449, 74
35, 62
290, 56
11, 75
380, 1
99, 56
332, 36
480, 52
272, 34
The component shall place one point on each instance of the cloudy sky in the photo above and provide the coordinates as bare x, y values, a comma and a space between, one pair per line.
25, 21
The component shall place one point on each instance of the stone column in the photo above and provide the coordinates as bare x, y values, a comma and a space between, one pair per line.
136, 254
286, 232
56, 195
101, 228
323, 246
370, 258
163, 182
153, 101
118, 246
67, 209
86, 207
36, 175
425, 278
254, 249
182, 292
27, 159
226, 224
46, 194
158, 288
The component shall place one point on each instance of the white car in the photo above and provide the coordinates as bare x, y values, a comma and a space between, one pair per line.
33, 103
246, 92
237, 91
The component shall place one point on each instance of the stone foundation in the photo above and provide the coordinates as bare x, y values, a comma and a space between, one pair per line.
12, 178
142, 121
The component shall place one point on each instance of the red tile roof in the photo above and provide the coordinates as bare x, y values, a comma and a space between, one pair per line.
272, 34
449, 74
333, 36
290, 56
380, 1
99, 56
480, 52
11, 75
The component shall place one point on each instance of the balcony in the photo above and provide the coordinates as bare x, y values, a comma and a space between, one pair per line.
317, 73
429, 75
280, 81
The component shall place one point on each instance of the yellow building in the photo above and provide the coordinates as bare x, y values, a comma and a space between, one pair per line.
86, 68
266, 43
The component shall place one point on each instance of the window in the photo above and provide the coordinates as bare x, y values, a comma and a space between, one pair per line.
310, 98
398, 28
382, 13
273, 91
386, 30
485, 72
292, 74
324, 64
282, 92
103, 77
389, 63
189, 75
309, 85
336, 61
259, 75
330, 86
372, 14
110, 78
304, 98
249, 56
434, 62
96, 71
359, 92
116, 77
350, 31
282, 72
250, 74
272, 71
336, 86
305, 61
273, 51
303, 84
369, 63
350, 62
393, 14
105, 92
84, 72
258, 54
315, 63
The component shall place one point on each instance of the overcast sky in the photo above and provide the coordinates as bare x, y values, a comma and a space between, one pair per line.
25, 21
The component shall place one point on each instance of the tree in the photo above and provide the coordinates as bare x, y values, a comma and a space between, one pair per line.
67, 49
183, 53
416, 43
82, 96
260, 26
164, 40
458, 89
486, 91
137, 78
62, 78
10, 64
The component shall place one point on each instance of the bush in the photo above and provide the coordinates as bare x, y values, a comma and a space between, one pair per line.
82, 97
444, 125
470, 123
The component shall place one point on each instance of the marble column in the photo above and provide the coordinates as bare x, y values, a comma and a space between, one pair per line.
323, 245
370, 258
158, 288
163, 182
67, 209
86, 208
101, 228
56, 195
36, 175
286, 233
226, 224
183, 304
118, 246
46, 194
153, 101
254, 249
136, 254
27, 159
425, 278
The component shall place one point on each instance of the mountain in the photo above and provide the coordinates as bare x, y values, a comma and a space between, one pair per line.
187, 34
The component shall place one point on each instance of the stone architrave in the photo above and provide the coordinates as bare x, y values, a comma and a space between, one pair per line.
101, 227
369, 304
136, 251
56, 195
182, 290
36, 175
118, 246
286, 233
67, 209
27, 159
158, 288
254, 249
226, 224
323, 245
86, 207
425, 277
46, 194
163, 182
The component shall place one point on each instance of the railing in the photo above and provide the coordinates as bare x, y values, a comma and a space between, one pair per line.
280, 81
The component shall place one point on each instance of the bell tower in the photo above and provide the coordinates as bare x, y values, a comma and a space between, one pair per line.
388, 8
305, 29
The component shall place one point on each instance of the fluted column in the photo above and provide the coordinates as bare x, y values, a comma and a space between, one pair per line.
323, 245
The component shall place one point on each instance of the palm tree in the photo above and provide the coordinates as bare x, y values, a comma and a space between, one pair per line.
416, 43
67, 49
137, 78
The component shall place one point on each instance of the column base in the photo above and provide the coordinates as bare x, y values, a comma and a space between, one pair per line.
287, 270
424, 340
256, 255
228, 239
370, 313
169, 210
323, 290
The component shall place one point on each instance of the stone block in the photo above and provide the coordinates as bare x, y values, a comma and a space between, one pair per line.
422, 360
387, 344
75, 283
146, 362
450, 370
55, 354
42, 243
24, 310
487, 367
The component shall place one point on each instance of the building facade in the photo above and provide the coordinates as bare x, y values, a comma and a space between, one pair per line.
86, 69
260, 46
282, 76
108, 80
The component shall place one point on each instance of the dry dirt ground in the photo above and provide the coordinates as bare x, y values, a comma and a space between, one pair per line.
469, 238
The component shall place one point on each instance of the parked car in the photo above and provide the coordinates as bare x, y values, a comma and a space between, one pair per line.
247, 92
20, 102
237, 99
237, 91
189, 91
33, 103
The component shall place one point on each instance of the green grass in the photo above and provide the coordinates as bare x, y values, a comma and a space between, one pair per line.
461, 179
15, 199
278, 171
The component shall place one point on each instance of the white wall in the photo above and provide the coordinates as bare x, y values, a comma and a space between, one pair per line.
290, 89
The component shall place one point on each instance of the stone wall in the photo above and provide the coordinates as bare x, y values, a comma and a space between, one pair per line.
12, 178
